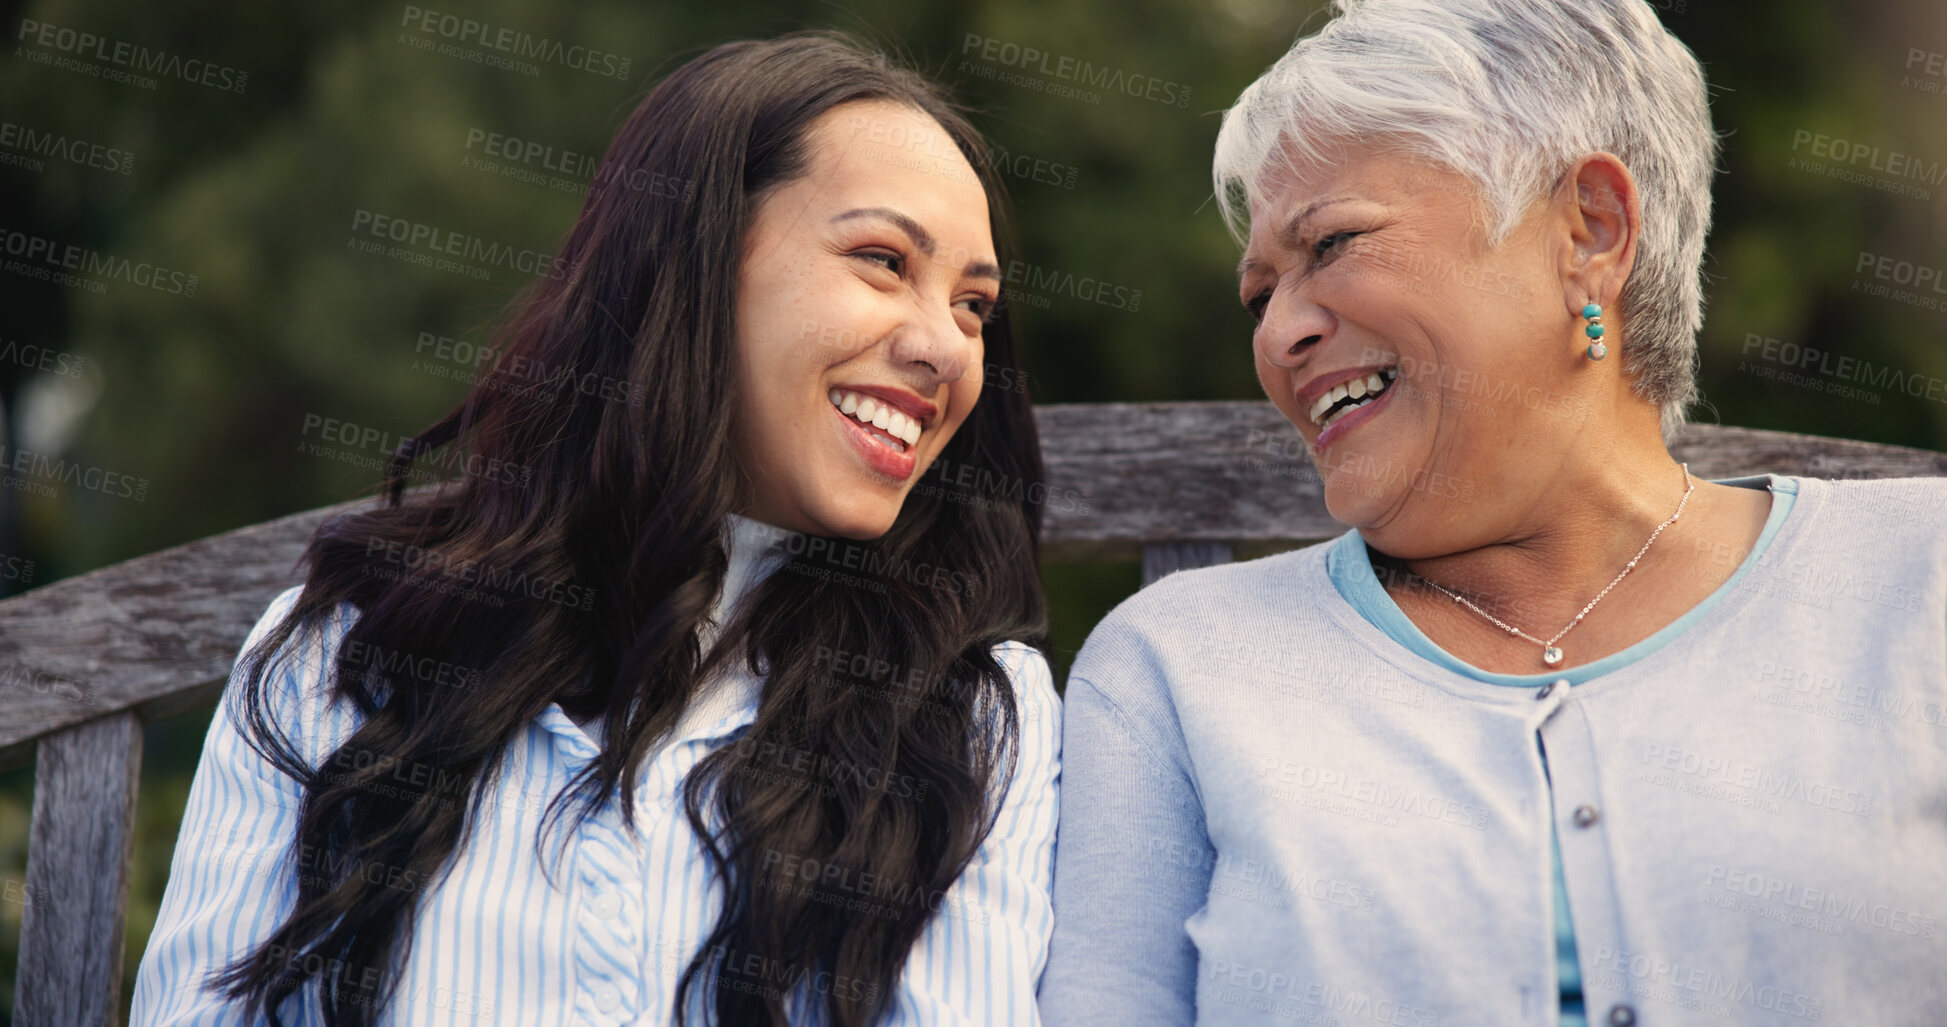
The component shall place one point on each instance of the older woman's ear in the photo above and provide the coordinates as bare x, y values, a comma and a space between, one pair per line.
1603, 219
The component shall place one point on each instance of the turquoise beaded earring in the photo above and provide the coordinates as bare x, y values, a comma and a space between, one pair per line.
1594, 331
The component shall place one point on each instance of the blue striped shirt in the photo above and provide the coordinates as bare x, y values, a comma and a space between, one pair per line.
607, 940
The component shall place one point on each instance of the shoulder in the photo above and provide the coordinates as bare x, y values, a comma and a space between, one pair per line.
1036, 701
295, 696
1896, 524
1148, 660
317, 638
1915, 505
1183, 614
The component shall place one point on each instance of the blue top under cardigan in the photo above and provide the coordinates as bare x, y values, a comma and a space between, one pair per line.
1350, 567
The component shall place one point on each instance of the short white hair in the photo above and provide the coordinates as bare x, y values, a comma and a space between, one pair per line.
1509, 94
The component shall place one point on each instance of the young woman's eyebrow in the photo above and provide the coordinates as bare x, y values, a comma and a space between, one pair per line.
922, 239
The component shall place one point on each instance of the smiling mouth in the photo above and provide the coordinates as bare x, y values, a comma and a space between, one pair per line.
888, 426
1348, 396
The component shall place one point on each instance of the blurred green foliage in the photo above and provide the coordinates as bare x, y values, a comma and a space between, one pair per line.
254, 192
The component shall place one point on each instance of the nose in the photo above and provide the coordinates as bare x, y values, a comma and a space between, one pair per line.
1292, 327
931, 341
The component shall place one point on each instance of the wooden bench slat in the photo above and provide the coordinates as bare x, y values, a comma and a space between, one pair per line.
1238, 472
85, 661
157, 634
78, 852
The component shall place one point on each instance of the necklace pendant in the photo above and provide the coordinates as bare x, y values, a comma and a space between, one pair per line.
1551, 655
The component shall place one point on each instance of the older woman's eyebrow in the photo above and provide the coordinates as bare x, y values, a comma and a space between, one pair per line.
922, 239
1293, 230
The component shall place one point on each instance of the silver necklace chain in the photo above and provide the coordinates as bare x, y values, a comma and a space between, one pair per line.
1550, 654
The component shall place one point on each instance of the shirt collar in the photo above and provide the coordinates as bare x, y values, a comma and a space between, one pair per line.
728, 702
756, 549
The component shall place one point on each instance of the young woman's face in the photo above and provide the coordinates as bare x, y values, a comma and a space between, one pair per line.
864, 286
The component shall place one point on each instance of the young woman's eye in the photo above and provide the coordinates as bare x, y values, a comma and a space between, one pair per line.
1327, 245
891, 261
1256, 304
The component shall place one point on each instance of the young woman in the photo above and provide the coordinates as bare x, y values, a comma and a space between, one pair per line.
676, 706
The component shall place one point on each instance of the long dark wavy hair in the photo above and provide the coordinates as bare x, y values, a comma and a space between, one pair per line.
578, 553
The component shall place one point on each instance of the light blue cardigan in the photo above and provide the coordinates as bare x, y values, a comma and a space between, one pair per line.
1275, 813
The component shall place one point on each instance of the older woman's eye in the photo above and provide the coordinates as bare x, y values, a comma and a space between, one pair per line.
891, 261
1256, 304
1328, 245
981, 307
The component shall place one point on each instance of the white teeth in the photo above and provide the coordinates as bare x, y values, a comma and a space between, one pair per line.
896, 423
1324, 403
1342, 411
1364, 390
1332, 395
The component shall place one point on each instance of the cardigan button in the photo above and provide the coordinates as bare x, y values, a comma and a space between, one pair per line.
1585, 816
1621, 1015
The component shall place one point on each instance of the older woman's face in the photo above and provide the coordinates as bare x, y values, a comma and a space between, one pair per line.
1372, 275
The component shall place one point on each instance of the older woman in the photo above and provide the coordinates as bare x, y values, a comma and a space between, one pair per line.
1557, 726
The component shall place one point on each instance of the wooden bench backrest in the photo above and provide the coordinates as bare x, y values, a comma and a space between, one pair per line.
85, 662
